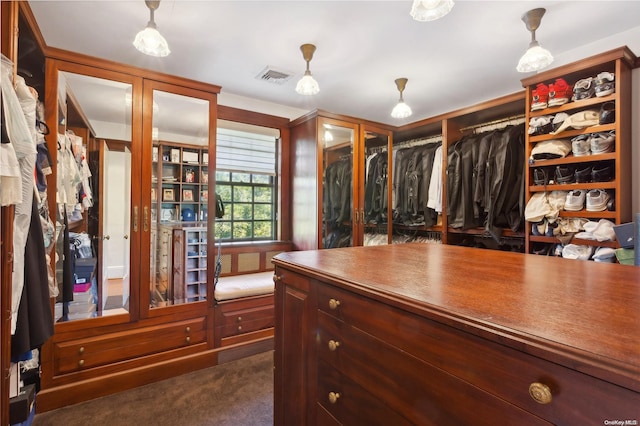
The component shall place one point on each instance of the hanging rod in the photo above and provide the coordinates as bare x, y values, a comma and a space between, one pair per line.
418, 141
492, 125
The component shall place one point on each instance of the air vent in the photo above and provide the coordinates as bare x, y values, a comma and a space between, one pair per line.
273, 75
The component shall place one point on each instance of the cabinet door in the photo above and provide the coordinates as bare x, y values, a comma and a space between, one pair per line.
374, 200
338, 143
175, 191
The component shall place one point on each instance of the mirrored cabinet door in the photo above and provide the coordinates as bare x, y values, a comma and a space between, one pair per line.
338, 214
92, 193
375, 193
179, 197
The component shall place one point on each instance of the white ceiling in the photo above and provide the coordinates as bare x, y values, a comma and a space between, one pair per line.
467, 57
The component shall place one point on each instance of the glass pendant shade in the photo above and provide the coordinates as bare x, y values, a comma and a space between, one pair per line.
430, 10
150, 42
307, 85
534, 59
401, 110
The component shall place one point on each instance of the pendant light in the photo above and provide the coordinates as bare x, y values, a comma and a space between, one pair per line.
307, 84
149, 41
401, 110
536, 57
430, 10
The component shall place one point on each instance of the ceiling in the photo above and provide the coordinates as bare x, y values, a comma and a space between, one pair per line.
467, 57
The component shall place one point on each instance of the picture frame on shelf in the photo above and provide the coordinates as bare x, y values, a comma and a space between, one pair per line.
204, 195
175, 155
189, 175
187, 195
204, 176
154, 196
168, 194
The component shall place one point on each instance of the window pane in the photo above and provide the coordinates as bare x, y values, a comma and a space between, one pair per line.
242, 194
264, 179
262, 195
262, 230
241, 177
241, 230
225, 193
241, 211
223, 176
223, 230
262, 212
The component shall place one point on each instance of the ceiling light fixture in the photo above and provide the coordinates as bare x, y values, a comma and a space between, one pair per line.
149, 41
401, 110
430, 10
536, 57
307, 84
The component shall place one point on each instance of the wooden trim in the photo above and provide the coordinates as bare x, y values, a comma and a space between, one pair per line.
10, 30
6, 268
27, 14
250, 117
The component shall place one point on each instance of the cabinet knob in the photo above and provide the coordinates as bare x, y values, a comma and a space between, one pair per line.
188, 329
81, 363
81, 350
188, 339
239, 328
333, 397
277, 278
333, 304
333, 345
239, 319
540, 393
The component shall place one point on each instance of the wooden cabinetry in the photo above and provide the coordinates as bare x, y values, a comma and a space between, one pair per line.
618, 62
330, 178
190, 264
180, 182
439, 351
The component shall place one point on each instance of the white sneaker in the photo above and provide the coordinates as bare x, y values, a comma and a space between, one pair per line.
597, 200
575, 200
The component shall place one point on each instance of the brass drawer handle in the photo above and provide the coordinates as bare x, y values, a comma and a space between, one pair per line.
333, 304
188, 339
239, 328
333, 345
81, 363
333, 397
277, 278
188, 329
239, 319
540, 393
81, 350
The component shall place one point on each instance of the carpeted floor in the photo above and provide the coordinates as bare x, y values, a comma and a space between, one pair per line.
237, 393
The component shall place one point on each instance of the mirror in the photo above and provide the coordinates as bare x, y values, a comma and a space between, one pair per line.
93, 197
179, 199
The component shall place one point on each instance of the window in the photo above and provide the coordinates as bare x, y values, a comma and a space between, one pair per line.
246, 181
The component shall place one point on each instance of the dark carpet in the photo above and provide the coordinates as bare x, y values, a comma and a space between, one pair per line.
237, 393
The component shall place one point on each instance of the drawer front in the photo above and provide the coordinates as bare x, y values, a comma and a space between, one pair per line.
234, 322
576, 398
350, 404
109, 348
424, 394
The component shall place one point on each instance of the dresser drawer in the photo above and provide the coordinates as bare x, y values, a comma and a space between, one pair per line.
426, 394
576, 398
91, 352
344, 401
245, 315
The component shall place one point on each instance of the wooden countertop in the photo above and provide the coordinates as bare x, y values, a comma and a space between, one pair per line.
581, 314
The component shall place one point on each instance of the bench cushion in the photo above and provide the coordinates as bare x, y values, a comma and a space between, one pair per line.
245, 285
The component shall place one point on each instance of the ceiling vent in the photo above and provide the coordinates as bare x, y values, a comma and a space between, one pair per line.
273, 75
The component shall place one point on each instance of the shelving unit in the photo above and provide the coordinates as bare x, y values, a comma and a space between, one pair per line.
180, 181
189, 264
620, 63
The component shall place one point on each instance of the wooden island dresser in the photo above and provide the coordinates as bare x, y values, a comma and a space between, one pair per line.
432, 334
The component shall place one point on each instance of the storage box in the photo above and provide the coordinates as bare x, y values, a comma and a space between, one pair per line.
84, 270
22, 405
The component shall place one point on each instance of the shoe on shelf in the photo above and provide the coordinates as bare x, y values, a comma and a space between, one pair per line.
539, 97
575, 251
541, 249
583, 175
584, 89
605, 84
597, 200
580, 145
540, 176
540, 125
602, 173
605, 254
559, 92
558, 119
602, 142
564, 175
575, 200
608, 113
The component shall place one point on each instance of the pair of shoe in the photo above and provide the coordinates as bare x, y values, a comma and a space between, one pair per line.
545, 124
556, 94
596, 200
602, 85
543, 228
593, 143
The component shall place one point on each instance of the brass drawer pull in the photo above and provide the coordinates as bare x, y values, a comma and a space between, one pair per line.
333, 397
333, 304
239, 319
333, 345
239, 328
188, 339
188, 329
277, 278
540, 393
81, 363
81, 350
